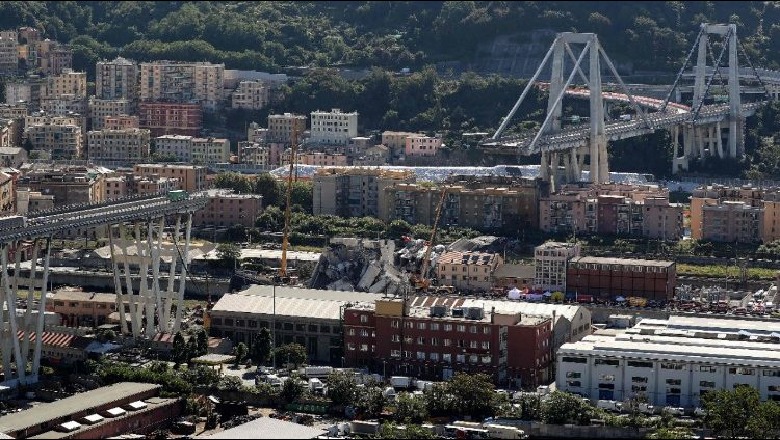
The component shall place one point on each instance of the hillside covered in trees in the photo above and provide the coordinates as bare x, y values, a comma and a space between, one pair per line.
270, 36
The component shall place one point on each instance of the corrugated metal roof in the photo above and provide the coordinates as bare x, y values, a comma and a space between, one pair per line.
77, 295
46, 412
622, 261
268, 428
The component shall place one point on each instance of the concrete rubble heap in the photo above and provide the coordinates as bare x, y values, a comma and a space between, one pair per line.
354, 264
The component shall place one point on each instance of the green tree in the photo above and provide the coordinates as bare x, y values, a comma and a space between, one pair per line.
237, 232
563, 407
272, 219
179, 349
411, 431
239, 352
473, 394
370, 402
740, 413
202, 339
292, 390
410, 409
261, 347
234, 181
342, 388
398, 228
294, 354
228, 253
267, 186
438, 400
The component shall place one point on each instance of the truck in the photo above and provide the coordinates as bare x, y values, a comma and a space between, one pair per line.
316, 386
609, 405
177, 195
314, 371
401, 382
504, 432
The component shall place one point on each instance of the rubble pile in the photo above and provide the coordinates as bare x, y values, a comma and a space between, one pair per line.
354, 264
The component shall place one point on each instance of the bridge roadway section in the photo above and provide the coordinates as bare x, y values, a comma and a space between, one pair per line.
109, 213
578, 136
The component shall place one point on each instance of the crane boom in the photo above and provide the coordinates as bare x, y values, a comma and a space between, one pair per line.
424, 282
285, 236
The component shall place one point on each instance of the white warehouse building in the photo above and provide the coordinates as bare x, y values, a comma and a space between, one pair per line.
673, 362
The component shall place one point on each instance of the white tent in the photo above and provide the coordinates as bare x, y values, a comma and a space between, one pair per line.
620, 299
514, 294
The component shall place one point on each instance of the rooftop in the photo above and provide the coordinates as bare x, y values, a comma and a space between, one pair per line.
78, 295
622, 261
471, 258
267, 428
70, 405
515, 271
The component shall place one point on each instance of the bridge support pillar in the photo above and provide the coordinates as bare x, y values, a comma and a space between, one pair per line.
150, 310
20, 340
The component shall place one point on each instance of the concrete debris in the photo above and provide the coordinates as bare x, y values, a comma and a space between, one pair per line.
354, 264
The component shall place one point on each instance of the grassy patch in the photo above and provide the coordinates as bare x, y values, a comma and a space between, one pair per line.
719, 271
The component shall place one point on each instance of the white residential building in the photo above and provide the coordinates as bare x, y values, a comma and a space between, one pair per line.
551, 259
174, 145
183, 83
99, 109
189, 149
333, 127
674, 362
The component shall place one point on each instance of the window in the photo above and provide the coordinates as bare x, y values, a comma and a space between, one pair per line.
486, 330
639, 379
421, 355
461, 328
608, 377
638, 388
613, 362
351, 332
395, 353
434, 341
473, 359
573, 375
446, 357
771, 373
640, 364
573, 360
473, 344
420, 340
447, 342
485, 345
435, 326
742, 371
420, 326
706, 384
300, 328
434, 356
394, 323
774, 388
447, 327
229, 322
708, 369
363, 318
409, 324
350, 346
672, 366
252, 323
673, 381
395, 338
607, 386
364, 333
461, 358
473, 329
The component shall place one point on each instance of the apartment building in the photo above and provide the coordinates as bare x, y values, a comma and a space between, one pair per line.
481, 202
81, 309
52, 58
68, 184
258, 153
120, 122
225, 208
735, 214
314, 158
435, 337
125, 184
32, 201
66, 105
467, 271
178, 82
55, 136
9, 54
396, 142
607, 278
422, 145
673, 362
353, 192
129, 145
373, 156
14, 111
7, 194
192, 177
67, 83
12, 156
29, 90
193, 149
333, 127
256, 133
251, 95
615, 209
163, 118
117, 80
100, 109
280, 127
551, 261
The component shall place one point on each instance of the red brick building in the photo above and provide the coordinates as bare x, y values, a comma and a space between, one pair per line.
435, 337
163, 118
608, 278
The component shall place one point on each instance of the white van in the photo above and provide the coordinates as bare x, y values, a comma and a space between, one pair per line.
609, 405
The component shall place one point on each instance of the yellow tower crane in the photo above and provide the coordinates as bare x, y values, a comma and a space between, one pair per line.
422, 282
283, 277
